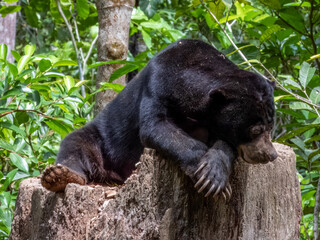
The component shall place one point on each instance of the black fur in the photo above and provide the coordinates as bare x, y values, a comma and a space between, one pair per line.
190, 103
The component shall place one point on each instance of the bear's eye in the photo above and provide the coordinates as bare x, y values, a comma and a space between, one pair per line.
256, 130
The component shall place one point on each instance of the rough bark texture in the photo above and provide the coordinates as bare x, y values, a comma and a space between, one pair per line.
159, 202
114, 21
8, 32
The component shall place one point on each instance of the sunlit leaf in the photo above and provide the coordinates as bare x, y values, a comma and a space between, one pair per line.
3, 51
19, 162
306, 73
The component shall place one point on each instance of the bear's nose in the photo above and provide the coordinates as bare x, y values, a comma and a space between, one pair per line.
273, 156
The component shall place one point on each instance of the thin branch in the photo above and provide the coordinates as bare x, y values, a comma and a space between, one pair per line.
21, 155
72, 36
90, 49
26, 110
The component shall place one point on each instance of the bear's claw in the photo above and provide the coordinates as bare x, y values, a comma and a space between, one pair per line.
56, 177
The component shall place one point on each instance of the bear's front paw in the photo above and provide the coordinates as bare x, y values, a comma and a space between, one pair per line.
56, 177
213, 173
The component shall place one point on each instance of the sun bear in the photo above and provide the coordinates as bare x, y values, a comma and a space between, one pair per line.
191, 104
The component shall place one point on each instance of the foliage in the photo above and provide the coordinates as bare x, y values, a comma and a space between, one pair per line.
39, 105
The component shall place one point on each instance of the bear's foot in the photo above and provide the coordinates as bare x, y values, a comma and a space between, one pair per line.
56, 177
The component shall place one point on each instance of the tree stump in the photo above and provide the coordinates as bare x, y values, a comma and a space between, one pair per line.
159, 202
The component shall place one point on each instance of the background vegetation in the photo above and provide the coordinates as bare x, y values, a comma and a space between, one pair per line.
49, 90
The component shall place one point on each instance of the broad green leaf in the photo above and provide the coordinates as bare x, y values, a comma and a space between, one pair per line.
44, 65
149, 7
69, 82
315, 95
269, 32
16, 55
292, 83
29, 49
299, 106
297, 132
114, 86
217, 8
97, 64
65, 63
57, 127
22, 117
305, 74
13, 128
11, 92
122, 71
31, 16
83, 8
273, 4
146, 38
5, 145
8, 180
94, 31
78, 84
3, 51
4, 11
54, 74
23, 61
19, 162
13, 69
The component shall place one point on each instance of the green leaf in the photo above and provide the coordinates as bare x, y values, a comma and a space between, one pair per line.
217, 8
146, 38
97, 64
83, 8
149, 7
297, 132
8, 180
23, 61
269, 32
114, 86
273, 4
19, 162
29, 49
16, 55
78, 84
65, 63
315, 95
305, 74
22, 117
44, 64
4, 11
3, 51
57, 127
12, 128
31, 16
69, 82
13, 69
122, 71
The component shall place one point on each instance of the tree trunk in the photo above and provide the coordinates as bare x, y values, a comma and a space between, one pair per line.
159, 202
114, 21
8, 32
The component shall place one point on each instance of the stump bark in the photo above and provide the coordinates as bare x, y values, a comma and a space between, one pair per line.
159, 202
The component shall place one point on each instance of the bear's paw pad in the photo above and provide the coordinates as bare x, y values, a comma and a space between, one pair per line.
56, 177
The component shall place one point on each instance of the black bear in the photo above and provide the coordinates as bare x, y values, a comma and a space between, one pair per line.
192, 105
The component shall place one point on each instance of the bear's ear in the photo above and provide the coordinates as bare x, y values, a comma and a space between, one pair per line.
272, 83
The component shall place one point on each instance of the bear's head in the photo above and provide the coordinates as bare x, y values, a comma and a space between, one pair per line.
244, 115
